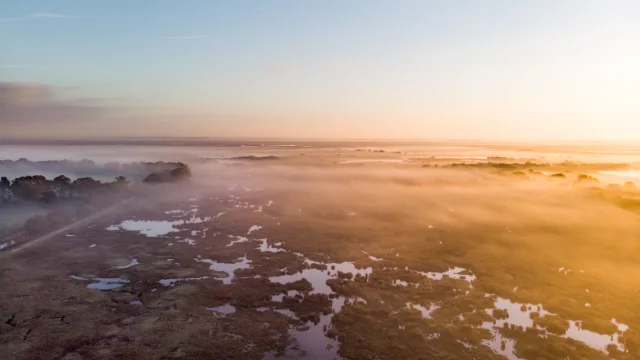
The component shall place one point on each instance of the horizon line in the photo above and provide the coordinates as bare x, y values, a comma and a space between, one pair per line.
304, 139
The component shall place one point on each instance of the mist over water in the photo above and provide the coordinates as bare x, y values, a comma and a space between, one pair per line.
320, 180
189, 151
449, 249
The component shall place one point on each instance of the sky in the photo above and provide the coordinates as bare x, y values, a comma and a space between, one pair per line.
465, 69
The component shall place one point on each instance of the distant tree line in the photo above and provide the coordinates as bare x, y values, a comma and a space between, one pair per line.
495, 165
245, 157
39, 188
86, 168
253, 157
562, 166
180, 173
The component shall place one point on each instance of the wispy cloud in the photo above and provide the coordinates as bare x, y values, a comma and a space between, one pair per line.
186, 37
43, 15
13, 66
32, 103
47, 15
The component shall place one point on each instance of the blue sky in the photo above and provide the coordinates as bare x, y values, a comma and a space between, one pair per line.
400, 69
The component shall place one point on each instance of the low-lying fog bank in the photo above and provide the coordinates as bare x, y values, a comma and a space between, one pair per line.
306, 256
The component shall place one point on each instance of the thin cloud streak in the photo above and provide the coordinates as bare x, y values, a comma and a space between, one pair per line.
186, 37
45, 15
48, 15
13, 66
28, 109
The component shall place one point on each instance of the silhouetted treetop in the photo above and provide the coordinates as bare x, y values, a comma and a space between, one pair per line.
180, 173
4, 182
152, 178
133, 170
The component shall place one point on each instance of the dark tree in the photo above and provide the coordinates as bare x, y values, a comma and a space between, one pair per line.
4, 183
119, 183
182, 172
85, 185
87, 182
29, 187
62, 185
37, 224
62, 180
152, 178
587, 178
38, 181
49, 197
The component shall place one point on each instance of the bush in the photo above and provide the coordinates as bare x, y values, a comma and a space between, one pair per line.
152, 178
181, 173
37, 224
553, 323
587, 178
49, 197
630, 185
500, 314
59, 219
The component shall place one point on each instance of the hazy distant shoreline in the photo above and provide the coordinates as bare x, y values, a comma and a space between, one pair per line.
284, 142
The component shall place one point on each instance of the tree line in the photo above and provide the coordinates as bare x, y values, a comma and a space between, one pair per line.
133, 170
39, 188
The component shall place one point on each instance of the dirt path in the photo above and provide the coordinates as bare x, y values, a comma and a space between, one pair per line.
64, 229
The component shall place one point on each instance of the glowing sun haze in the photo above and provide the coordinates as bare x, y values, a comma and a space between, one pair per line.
503, 70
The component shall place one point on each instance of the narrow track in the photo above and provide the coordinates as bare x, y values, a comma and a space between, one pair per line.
64, 229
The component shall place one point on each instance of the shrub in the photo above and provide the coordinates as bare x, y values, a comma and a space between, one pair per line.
49, 197
500, 314
152, 178
553, 323
587, 178
181, 173
58, 219
37, 224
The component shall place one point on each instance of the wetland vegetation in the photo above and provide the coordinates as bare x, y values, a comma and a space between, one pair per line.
320, 259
